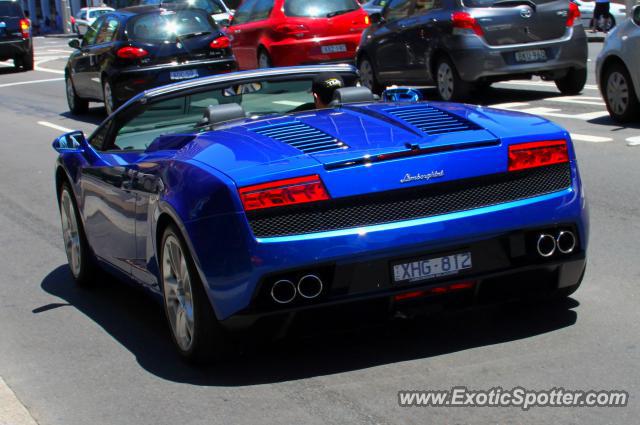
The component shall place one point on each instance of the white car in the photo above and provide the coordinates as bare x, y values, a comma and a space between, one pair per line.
218, 10
617, 11
87, 16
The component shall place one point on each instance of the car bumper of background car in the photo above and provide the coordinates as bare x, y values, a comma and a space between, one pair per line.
130, 82
355, 264
14, 48
475, 60
309, 51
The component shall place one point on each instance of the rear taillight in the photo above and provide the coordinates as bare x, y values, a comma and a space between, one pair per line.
281, 193
537, 154
574, 13
220, 43
464, 21
130, 52
24, 27
291, 30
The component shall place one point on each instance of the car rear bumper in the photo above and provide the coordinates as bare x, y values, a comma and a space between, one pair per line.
476, 60
13, 48
129, 82
309, 51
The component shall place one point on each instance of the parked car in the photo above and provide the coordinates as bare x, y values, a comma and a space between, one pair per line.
462, 46
16, 41
134, 49
233, 202
618, 70
618, 13
374, 6
87, 16
216, 8
296, 32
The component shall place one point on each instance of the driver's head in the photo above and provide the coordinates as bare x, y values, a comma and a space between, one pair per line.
323, 87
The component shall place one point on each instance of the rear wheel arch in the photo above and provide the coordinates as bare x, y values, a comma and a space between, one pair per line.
61, 178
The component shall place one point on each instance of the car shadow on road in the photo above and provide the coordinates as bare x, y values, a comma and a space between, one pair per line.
6, 70
609, 122
94, 115
137, 322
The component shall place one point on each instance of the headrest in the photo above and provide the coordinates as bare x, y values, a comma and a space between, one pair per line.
216, 114
351, 95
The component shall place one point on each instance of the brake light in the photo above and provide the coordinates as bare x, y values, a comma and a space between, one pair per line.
220, 43
574, 13
463, 20
537, 154
130, 52
367, 20
285, 192
24, 27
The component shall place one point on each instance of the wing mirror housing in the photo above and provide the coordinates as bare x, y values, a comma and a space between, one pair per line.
635, 14
72, 142
74, 44
376, 18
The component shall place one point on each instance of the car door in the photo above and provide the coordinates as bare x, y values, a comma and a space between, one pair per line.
100, 53
421, 33
390, 49
80, 63
253, 30
631, 47
240, 41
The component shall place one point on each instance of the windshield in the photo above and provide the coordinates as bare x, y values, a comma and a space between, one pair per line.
96, 13
318, 8
170, 25
10, 9
490, 3
183, 114
212, 6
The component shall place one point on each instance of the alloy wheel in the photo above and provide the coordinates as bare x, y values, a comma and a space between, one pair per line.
108, 98
445, 81
70, 94
263, 60
178, 296
70, 233
618, 92
366, 74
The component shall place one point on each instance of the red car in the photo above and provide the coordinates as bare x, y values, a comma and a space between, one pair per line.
296, 32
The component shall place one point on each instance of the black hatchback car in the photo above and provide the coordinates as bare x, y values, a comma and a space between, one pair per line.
15, 35
134, 49
462, 45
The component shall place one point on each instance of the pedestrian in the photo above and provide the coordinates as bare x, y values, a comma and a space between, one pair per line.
601, 16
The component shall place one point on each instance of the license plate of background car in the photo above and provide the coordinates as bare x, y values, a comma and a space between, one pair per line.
183, 75
336, 48
537, 55
429, 268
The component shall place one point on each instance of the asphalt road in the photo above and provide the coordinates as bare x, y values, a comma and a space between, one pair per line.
103, 356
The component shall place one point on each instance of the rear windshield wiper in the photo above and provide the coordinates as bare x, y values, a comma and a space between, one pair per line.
339, 12
191, 35
514, 3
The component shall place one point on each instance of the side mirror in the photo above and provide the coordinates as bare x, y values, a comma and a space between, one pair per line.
376, 18
73, 142
75, 43
635, 14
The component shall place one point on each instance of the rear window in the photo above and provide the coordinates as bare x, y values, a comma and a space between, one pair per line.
170, 25
318, 8
10, 9
212, 6
490, 3
96, 13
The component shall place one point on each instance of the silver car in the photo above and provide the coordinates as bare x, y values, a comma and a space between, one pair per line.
618, 69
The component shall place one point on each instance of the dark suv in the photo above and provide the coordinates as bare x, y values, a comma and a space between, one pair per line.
15, 35
462, 45
134, 49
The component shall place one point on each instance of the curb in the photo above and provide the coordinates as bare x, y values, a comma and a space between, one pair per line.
72, 35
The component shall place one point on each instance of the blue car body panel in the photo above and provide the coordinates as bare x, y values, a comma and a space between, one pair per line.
198, 191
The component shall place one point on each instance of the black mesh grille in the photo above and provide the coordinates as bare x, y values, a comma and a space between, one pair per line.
301, 136
406, 204
431, 120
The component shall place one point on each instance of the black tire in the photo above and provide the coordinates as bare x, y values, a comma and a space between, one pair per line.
77, 105
208, 341
368, 75
622, 104
27, 61
110, 101
264, 60
85, 273
573, 82
449, 85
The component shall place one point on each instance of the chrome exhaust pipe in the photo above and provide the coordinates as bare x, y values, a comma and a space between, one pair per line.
546, 245
283, 291
566, 241
310, 286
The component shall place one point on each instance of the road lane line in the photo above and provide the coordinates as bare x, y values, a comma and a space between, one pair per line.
551, 112
580, 100
12, 412
588, 138
54, 126
20, 83
633, 141
37, 67
541, 83
508, 105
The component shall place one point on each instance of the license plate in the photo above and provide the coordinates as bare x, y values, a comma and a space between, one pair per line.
183, 75
537, 55
431, 268
336, 48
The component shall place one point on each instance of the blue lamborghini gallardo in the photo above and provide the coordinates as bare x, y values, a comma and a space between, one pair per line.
234, 200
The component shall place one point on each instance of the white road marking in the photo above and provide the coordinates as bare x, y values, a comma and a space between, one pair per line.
554, 112
541, 83
54, 126
20, 83
37, 66
580, 100
508, 105
287, 102
633, 141
588, 138
12, 412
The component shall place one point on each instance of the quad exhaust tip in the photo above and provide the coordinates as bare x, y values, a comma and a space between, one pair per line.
546, 245
310, 286
283, 291
566, 242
